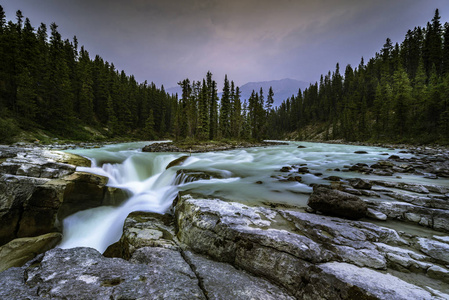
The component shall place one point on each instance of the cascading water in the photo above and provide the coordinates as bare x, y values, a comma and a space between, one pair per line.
145, 177
249, 176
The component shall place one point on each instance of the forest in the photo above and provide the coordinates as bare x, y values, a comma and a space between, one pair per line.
52, 87
400, 95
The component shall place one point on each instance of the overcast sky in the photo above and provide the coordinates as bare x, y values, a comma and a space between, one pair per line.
165, 41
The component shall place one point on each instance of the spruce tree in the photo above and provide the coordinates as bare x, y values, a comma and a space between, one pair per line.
225, 109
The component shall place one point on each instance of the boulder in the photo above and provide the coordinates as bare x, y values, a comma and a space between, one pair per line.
17, 252
184, 175
346, 281
14, 192
83, 273
337, 203
177, 162
286, 169
359, 183
40, 211
68, 158
146, 229
311, 256
83, 190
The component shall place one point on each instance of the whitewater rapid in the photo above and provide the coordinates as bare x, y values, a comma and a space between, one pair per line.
248, 175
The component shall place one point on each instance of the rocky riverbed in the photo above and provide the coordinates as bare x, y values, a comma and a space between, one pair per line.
361, 238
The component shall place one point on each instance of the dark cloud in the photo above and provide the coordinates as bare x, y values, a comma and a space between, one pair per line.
250, 40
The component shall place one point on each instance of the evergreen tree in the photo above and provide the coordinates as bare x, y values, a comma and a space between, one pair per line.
225, 110
149, 127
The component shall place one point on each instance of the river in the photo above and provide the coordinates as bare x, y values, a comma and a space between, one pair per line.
250, 176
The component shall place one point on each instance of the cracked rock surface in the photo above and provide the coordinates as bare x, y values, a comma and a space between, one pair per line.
213, 249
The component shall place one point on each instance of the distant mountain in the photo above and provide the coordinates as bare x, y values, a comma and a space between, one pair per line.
282, 89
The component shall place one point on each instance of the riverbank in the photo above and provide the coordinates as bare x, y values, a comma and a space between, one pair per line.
200, 147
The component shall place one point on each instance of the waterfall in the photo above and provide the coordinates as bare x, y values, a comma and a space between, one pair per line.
152, 189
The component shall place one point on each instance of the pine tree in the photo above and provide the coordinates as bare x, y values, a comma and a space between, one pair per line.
237, 117
213, 112
270, 100
225, 110
59, 91
85, 89
149, 127
203, 124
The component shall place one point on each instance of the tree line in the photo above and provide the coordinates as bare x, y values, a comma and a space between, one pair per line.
48, 83
52, 84
201, 115
400, 95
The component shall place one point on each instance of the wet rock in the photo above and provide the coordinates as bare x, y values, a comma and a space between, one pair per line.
85, 190
435, 249
286, 169
430, 176
438, 273
301, 147
360, 167
383, 164
185, 175
359, 183
374, 214
303, 170
360, 152
383, 172
40, 210
295, 178
333, 178
177, 162
349, 190
436, 219
394, 157
417, 188
14, 192
431, 202
145, 229
17, 252
337, 203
